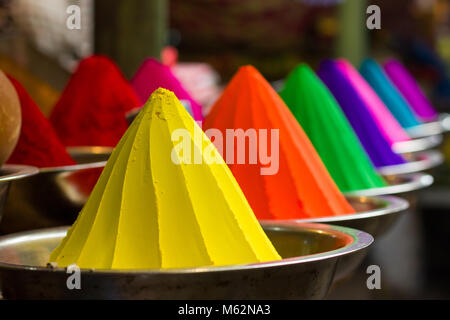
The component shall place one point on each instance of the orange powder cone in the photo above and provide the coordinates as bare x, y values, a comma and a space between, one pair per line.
302, 187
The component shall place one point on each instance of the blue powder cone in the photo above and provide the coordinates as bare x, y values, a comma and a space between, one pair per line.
379, 81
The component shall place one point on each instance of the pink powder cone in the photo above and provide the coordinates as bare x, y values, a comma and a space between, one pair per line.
152, 75
388, 125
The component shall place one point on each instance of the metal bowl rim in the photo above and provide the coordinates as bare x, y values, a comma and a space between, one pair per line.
426, 129
80, 166
18, 171
444, 119
74, 167
418, 144
414, 181
356, 240
430, 159
395, 205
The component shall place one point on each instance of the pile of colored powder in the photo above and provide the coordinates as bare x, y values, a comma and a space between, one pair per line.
152, 208
293, 183
410, 90
320, 116
386, 122
38, 143
152, 75
91, 110
359, 116
379, 81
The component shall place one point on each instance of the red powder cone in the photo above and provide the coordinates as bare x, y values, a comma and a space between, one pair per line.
91, 110
38, 143
302, 187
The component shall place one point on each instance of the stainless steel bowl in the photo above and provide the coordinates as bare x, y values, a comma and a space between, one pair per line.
444, 119
310, 254
421, 161
397, 185
418, 144
426, 129
406, 186
54, 196
373, 215
8, 174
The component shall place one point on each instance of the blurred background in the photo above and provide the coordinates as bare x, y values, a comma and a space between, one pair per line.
273, 35
215, 37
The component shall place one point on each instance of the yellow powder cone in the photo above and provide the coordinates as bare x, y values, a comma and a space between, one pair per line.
148, 212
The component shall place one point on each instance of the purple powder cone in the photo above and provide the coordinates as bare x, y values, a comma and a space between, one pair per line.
358, 114
410, 90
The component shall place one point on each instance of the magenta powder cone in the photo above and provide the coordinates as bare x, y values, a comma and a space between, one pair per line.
359, 116
152, 75
410, 90
386, 122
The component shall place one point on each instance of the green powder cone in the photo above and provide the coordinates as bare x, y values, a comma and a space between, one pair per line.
319, 114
